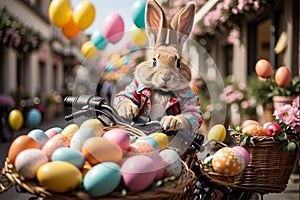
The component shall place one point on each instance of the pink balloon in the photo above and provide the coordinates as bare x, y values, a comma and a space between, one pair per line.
113, 28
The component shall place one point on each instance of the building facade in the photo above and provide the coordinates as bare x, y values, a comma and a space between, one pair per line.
47, 69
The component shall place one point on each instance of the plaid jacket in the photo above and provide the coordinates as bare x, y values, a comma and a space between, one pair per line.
184, 102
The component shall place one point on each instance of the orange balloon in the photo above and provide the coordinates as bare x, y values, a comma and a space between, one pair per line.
283, 76
70, 30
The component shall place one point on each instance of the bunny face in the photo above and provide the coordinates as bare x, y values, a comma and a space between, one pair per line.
166, 70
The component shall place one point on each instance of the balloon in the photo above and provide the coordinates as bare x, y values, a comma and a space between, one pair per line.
99, 40
139, 37
89, 50
84, 14
138, 13
70, 30
113, 28
34, 117
15, 119
60, 12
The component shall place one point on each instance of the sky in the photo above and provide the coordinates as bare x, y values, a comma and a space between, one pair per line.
104, 8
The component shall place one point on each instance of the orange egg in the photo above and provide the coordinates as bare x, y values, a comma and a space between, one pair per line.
254, 130
250, 122
263, 68
20, 144
283, 76
98, 149
228, 162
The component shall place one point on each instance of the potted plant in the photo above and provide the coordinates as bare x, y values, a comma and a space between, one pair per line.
280, 86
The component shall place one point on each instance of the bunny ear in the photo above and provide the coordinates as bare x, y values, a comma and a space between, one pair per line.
183, 22
156, 23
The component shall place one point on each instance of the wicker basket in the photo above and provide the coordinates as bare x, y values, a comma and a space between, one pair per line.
217, 178
269, 168
181, 188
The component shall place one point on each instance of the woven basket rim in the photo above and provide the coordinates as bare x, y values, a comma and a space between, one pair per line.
172, 189
219, 178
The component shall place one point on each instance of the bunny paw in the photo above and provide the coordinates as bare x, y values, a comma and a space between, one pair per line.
127, 109
171, 123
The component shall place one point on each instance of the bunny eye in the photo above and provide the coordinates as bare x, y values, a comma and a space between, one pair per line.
178, 63
154, 62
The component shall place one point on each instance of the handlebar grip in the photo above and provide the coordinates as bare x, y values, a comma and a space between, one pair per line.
84, 100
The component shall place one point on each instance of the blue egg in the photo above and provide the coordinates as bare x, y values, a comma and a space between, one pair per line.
39, 136
69, 155
150, 140
102, 179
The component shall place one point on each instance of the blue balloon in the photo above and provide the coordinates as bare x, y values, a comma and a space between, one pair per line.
99, 40
138, 13
34, 117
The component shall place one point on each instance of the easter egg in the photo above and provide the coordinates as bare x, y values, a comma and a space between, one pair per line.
254, 130
140, 148
51, 145
69, 155
19, 144
51, 133
57, 129
283, 76
138, 172
94, 124
250, 122
28, 161
150, 140
172, 162
70, 130
80, 137
119, 136
263, 68
98, 149
217, 132
244, 154
62, 138
39, 136
59, 176
228, 162
159, 165
162, 140
102, 179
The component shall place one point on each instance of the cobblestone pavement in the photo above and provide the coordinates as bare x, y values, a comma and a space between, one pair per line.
291, 192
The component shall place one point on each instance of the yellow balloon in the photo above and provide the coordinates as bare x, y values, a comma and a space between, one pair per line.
139, 37
60, 12
15, 119
89, 50
84, 14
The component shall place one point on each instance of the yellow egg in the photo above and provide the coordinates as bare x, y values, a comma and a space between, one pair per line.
217, 132
162, 140
94, 124
70, 130
59, 176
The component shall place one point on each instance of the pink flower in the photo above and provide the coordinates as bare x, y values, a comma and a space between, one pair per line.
288, 115
296, 102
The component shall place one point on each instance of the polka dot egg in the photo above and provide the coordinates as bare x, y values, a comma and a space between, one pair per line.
228, 162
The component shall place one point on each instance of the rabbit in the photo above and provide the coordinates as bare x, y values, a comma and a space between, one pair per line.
164, 80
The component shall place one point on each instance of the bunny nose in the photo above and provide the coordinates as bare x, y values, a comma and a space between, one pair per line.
166, 78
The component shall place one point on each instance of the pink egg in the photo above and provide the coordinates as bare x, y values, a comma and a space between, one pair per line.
51, 133
159, 165
51, 145
244, 154
119, 136
138, 172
